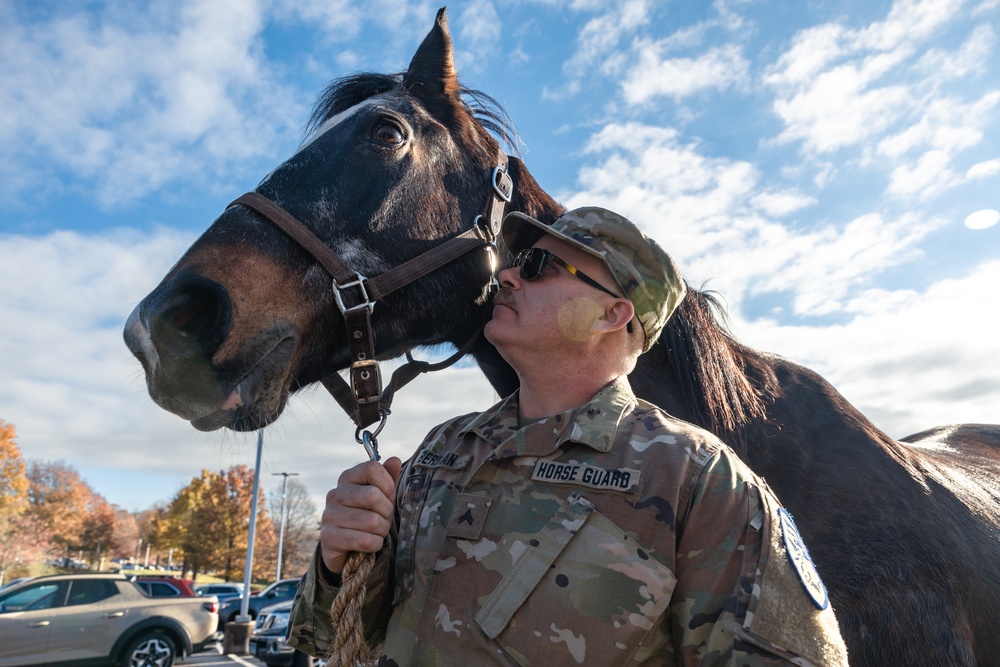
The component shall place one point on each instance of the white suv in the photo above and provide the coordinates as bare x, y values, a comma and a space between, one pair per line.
77, 619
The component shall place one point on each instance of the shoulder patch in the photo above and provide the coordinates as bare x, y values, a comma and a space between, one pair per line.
799, 555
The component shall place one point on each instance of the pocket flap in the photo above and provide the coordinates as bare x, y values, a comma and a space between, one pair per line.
529, 569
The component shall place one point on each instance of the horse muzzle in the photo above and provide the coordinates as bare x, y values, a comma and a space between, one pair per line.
175, 333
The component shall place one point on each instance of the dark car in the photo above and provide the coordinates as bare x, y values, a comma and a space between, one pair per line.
164, 587
268, 644
279, 591
221, 590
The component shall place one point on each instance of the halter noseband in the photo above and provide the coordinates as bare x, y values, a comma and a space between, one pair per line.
363, 399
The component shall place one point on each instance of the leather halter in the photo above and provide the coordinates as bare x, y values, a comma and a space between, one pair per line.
363, 399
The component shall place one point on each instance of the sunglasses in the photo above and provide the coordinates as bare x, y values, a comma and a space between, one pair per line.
532, 262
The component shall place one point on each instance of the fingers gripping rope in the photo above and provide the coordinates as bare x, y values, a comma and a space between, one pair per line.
349, 647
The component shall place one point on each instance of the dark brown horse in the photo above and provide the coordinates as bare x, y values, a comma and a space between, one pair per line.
905, 534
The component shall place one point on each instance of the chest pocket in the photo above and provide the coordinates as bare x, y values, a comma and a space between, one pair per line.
583, 593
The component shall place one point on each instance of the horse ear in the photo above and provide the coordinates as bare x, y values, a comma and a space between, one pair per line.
432, 69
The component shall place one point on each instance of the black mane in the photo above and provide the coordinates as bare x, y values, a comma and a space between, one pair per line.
720, 383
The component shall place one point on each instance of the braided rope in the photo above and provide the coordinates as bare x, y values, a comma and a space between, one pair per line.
349, 647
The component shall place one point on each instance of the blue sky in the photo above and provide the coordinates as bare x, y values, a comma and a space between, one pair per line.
832, 168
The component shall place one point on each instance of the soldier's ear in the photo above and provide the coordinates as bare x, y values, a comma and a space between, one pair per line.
616, 315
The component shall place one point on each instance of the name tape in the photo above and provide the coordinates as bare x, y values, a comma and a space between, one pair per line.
583, 474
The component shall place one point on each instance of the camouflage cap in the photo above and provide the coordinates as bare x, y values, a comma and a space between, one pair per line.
643, 270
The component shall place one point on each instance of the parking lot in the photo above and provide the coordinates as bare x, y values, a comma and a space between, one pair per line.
214, 659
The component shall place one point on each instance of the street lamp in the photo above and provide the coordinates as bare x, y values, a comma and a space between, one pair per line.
281, 525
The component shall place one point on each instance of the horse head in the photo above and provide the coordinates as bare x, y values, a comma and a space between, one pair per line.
391, 167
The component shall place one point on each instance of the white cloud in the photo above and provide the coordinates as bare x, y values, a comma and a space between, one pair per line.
839, 88
780, 204
598, 45
839, 108
479, 26
970, 58
823, 269
339, 19
946, 124
615, 45
930, 175
908, 21
983, 169
131, 101
653, 75
909, 359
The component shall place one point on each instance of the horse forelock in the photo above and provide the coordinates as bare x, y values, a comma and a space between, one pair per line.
481, 115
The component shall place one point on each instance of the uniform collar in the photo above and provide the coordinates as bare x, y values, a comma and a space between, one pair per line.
592, 424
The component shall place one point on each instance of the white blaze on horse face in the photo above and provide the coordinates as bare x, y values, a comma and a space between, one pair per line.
336, 120
327, 125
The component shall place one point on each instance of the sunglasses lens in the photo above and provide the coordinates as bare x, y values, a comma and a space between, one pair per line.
532, 262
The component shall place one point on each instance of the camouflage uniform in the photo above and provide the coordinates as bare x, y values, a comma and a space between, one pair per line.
611, 534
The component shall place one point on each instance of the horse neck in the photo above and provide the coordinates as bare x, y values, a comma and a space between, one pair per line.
529, 197
699, 373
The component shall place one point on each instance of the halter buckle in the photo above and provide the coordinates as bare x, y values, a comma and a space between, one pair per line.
503, 184
366, 381
359, 282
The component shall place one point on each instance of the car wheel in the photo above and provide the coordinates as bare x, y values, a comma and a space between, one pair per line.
153, 649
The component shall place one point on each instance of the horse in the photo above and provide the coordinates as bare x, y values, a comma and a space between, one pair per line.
905, 534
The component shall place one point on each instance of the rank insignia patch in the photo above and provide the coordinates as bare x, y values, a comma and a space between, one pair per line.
799, 555
469, 516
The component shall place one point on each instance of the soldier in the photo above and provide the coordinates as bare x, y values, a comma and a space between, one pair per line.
572, 523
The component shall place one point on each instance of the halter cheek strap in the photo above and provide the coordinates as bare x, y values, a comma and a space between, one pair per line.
363, 399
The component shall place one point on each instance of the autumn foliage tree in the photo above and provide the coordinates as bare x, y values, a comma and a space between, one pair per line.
79, 519
13, 476
208, 523
23, 538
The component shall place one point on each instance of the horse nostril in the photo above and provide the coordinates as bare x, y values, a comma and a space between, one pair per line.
198, 309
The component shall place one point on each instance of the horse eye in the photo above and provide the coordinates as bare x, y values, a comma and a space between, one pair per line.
388, 134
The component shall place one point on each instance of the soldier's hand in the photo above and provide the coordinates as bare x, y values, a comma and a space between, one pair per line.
359, 511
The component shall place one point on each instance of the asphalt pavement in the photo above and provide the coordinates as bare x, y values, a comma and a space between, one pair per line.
214, 659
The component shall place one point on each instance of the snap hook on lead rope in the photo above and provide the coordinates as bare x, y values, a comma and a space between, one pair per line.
369, 438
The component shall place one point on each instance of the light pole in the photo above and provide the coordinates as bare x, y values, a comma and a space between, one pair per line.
244, 615
281, 524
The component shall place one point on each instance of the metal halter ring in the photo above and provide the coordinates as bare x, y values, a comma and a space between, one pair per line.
369, 438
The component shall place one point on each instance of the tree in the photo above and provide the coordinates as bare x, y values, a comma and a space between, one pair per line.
59, 498
13, 475
98, 534
126, 535
23, 537
232, 494
209, 522
301, 526
78, 518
